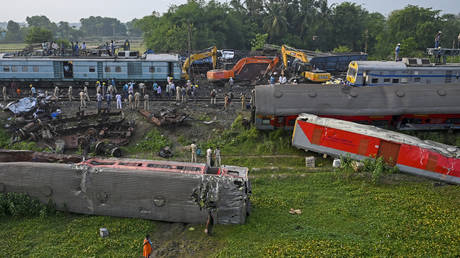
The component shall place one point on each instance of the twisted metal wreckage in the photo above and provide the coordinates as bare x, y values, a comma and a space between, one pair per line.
32, 119
157, 190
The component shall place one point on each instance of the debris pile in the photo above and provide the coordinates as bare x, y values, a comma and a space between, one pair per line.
165, 117
41, 120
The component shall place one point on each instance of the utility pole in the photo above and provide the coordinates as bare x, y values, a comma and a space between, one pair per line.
189, 48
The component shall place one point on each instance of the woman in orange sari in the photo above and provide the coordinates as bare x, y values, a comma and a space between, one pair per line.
147, 247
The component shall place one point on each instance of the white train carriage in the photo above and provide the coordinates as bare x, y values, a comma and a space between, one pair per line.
408, 71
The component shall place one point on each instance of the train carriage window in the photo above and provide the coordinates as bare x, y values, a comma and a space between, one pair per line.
375, 80
395, 80
14, 69
92, 69
6, 68
386, 80
118, 69
107, 69
152, 69
417, 79
25, 68
35, 68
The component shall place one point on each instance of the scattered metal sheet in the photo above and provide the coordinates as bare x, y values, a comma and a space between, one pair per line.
165, 117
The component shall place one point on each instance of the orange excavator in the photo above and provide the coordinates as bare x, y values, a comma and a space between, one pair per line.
246, 69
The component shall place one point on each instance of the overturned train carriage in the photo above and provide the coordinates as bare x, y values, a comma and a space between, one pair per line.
410, 154
156, 190
406, 107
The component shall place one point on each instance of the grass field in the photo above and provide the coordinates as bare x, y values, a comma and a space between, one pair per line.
4, 47
342, 215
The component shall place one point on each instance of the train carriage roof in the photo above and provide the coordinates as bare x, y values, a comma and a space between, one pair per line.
283, 100
384, 65
369, 130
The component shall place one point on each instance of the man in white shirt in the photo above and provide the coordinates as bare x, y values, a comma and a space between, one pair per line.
208, 156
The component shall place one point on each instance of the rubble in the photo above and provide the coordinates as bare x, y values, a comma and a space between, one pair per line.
165, 117
41, 120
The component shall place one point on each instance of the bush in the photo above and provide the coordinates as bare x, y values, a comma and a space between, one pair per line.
376, 168
153, 142
22, 205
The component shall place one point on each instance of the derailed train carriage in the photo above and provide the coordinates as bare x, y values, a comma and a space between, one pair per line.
407, 71
157, 190
410, 154
404, 107
151, 67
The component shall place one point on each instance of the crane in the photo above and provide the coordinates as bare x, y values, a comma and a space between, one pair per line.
210, 52
302, 67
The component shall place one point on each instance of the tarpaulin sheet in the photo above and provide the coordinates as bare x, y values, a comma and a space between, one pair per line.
23, 105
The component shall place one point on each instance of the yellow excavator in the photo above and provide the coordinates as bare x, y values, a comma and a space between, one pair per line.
210, 52
300, 68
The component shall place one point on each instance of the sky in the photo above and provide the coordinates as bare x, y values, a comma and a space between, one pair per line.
124, 10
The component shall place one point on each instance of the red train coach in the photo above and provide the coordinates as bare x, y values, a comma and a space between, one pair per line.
410, 154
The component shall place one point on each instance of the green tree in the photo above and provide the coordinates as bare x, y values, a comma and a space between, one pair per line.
259, 41
102, 27
42, 22
65, 31
349, 20
14, 33
415, 22
38, 35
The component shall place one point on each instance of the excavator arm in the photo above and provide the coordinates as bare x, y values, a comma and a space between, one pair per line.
289, 51
305, 71
211, 52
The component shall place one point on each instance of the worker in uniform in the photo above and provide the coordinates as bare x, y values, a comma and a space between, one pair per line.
98, 87
69, 92
226, 102
131, 101
82, 99
178, 92
209, 156
193, 149
85, 90
159, 91
437, 39
118, 98
213, 96
183, 94
56, 92
230, 82
99, 102
33, 91
108, 98
103, 89
110, 89
243, 100
397, 49
146, 102
142, 88
137, 99
218, 159
5, 97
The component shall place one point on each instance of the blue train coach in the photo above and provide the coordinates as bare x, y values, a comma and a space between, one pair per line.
124, 67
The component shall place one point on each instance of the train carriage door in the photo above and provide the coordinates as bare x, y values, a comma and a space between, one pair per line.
389, 151
57, 69
171, 69
100, 71
67, 67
